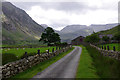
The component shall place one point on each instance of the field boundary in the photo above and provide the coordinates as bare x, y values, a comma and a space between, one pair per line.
21, 65
110, 53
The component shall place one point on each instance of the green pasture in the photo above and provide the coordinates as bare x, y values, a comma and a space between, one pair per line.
117, 46
31, 72
20, 51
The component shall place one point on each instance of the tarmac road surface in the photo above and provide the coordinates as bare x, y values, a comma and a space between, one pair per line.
63, 68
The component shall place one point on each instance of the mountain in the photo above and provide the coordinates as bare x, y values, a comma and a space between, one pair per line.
18, 26
98, 28
72, 31
72, 28
44, 25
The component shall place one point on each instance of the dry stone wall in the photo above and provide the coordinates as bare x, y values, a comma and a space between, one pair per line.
16, 67
110, 53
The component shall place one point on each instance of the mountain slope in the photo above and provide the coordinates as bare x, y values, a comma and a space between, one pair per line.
97, 27
72, 28
17, 25
73, 31
113, 31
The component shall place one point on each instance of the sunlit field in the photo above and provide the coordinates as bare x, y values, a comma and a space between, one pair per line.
117, 46
20, 51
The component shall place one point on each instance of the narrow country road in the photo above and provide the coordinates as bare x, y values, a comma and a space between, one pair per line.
64, 68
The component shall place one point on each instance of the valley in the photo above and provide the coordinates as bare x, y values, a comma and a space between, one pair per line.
33, 50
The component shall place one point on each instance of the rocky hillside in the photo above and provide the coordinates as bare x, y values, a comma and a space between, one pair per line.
18, 26
72, 31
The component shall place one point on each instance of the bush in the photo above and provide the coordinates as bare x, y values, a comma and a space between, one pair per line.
93, 38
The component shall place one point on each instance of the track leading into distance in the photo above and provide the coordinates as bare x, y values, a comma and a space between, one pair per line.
63, 68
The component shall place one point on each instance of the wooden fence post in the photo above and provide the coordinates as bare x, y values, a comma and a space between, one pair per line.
48, 51
53, 50
108, 48
25, 54
102, 46
105, 47
38, 52
114, 48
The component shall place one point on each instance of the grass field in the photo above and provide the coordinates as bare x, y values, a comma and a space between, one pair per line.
85, 67
20, 51
29, 73
111, 46
10, 55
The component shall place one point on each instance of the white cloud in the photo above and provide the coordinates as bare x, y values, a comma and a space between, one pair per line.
49, 17
58, 17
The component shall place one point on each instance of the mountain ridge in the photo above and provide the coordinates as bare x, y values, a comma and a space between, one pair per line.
72, 31
17, 25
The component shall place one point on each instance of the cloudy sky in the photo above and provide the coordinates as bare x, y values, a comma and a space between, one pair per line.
60, 13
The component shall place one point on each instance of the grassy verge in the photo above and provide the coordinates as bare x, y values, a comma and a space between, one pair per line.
105, 67
29, 73
85, 67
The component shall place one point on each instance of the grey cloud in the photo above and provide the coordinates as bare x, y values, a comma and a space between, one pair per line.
70, 7
25, 5
79, 7
74, 7
60, 23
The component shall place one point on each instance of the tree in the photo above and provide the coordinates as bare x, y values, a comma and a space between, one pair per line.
93, 38
105, 38
117, 37
49, 36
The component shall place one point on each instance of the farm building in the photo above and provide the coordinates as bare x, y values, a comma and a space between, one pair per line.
77, 41
108, 35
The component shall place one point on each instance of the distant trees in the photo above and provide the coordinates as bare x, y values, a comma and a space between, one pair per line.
117, 37
50, 37
63, 44
93, 38
105, 38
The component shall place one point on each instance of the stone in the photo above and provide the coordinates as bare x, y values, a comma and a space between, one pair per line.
8, 73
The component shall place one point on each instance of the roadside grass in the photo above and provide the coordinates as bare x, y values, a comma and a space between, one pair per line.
29, 73
111, 46
85, 67
105, 67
